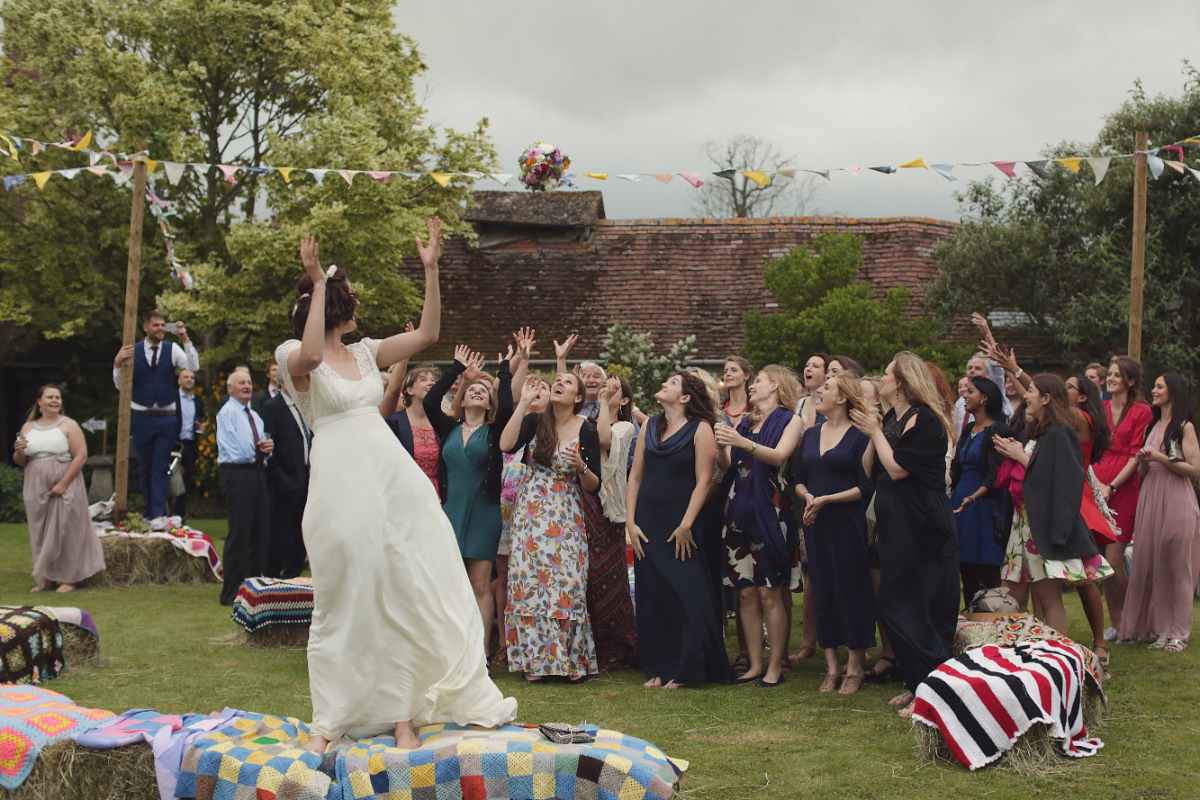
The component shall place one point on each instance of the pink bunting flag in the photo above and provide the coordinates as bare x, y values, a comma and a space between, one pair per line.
1178, 166
1177, 148
853, 170
693, 178
661, 177
380, 175
229, 171
100, 170
1007, 167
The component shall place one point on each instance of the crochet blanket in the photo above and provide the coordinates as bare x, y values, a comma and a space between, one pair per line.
31, 645
984, 700
189, 540
268, 601
1014, 629
77, 617
32, 718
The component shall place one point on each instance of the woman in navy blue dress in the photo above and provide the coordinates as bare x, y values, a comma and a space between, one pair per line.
678, 633
829, 472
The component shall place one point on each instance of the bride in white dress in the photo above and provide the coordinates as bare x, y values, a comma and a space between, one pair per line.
396, 638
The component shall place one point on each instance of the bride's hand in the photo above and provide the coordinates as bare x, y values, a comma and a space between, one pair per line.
310, 257
429, 252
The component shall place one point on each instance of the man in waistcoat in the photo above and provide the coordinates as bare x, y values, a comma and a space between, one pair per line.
155, 397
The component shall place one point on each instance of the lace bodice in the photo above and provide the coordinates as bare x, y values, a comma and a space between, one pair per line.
328, 392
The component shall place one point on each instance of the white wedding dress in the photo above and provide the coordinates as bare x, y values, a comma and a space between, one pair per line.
396, 633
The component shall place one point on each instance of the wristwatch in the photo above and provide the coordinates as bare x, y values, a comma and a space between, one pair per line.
753, 447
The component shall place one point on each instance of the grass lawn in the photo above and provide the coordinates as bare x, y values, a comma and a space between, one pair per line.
164, 647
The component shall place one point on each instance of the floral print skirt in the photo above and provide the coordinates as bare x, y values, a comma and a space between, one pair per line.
1023, 563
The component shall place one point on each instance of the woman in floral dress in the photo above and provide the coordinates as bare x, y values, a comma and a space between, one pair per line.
548, 629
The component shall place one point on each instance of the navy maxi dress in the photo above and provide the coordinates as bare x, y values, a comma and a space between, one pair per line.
678, 634
838, 569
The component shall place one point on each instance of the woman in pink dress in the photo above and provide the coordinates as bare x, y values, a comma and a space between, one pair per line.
1128, 418
1166, 561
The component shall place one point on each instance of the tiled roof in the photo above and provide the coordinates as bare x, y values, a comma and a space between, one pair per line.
671, 277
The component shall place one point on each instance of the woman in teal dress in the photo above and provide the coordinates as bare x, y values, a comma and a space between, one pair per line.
469, 466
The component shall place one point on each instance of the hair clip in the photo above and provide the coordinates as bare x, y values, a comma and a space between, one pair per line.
329, 273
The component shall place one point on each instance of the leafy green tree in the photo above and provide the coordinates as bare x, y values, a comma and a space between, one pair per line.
633, 354
305, 83
1058, 249
823, 307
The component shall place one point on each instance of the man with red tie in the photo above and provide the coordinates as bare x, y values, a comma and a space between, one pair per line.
242, 450
155, 395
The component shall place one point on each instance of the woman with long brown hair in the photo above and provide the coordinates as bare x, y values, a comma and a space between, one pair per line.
761, 533
51, 448
546, 618
918, 545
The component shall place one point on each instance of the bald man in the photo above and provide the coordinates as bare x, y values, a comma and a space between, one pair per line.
242, 450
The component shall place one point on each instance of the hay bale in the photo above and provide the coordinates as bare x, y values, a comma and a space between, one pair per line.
974, 634
80, 648
286, 637
131, 562
66, 771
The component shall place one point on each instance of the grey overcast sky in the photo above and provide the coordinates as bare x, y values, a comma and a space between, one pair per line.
626, 86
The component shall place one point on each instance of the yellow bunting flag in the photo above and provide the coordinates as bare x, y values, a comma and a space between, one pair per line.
151, 165
286, 172
916, 163
84, 142
40, 178
600, 176
757, 175
12, 148
1070, 163
443, 178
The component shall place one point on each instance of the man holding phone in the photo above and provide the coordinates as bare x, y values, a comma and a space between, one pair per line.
155, 397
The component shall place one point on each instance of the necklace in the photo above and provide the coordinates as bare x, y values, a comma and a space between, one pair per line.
469, 429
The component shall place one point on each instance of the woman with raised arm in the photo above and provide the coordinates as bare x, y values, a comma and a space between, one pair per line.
410, 424
381, 656
679, 637
548, 628
1167, 563
918, 545
760, 538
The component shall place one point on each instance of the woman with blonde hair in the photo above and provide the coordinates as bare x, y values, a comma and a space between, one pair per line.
829, 472
760, 538
918, 544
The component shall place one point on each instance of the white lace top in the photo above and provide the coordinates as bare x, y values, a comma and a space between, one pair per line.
328, 392
612, 471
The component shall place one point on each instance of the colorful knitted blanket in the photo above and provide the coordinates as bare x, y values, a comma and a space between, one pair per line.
268, 601
30, 719
189, 540
984, 700
31, 645
77, 617
1015, 629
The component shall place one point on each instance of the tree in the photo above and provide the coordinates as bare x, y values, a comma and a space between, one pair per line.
1057, 250
738, 196
305, 83
823, 307
634, 352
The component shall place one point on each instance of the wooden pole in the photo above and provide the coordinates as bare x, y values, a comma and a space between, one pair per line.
128, 334
1137, 277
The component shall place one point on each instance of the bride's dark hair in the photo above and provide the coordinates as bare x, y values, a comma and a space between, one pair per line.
547, 427
340, 302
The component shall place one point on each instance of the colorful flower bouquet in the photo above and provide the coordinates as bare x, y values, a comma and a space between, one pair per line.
543, 167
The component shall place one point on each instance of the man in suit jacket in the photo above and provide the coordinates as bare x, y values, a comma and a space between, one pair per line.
189, 416
287, 482
259, 399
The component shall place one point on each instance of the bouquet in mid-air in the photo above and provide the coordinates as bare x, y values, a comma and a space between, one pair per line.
543, 167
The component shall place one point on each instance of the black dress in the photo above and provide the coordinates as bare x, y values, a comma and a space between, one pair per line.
918, 546
836, 543
678, 634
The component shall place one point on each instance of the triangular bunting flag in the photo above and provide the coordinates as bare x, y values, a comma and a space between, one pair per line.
1156, 166
945, 170
662, 177
1007, 167
1178, 150
1195, 173
853, 170
126, 167
1039, 167
199, 169
916, 163
727, 174
474, 175
93, 157
693, 178
151, 165
229, 171
884, 170
1099, 166
319, 174
600, 176
36, 147
786, 172
1175, 165
501, 178
100, 170
634, 177
286, 173
83, 142
757, 175
348, 175
1192, 140
12, 148
1071, 164
11, 181
380, 175
70, 174
174, 171
40, 178
824, 173
442, 178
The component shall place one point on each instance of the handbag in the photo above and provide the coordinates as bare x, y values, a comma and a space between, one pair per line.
562, 733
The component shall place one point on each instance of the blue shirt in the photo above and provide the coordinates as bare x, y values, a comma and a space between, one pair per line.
235, 441
187, 416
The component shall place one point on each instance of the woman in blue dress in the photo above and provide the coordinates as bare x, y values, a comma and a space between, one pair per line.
982, 513
829, 473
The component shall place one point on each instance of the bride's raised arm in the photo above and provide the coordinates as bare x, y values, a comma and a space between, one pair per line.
404, 345
311, 352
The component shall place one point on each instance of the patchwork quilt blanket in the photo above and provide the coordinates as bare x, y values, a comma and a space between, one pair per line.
31, 645
32, 718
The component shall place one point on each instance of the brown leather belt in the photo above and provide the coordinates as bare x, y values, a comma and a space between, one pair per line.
153, 412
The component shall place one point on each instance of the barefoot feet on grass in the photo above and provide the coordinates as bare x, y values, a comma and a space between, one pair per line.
63, 588
907, 711
653, 683
901, 699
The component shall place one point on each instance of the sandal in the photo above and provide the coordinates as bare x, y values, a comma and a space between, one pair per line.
1100, 649
851, 684
741, 664
806, 651
1175, 646
890, 673
1158, 644
829, 684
